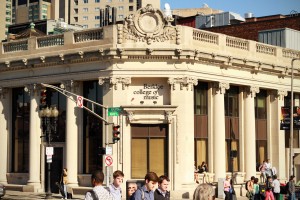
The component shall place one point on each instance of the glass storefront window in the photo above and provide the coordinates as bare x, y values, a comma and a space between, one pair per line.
20, 131
93, 128
149, 150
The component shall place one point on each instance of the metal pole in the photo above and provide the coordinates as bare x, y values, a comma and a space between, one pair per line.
106, 143
48, 128
292, 118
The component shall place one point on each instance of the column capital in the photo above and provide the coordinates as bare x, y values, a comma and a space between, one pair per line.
251, 91
113, 82
281, 94
221, 87
184, 82
70, 85
32, 89
3, 92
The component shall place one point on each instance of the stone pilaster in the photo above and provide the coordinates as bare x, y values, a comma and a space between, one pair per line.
4, 105
71, 135
219, 90
34, 137
249, 130
182, 96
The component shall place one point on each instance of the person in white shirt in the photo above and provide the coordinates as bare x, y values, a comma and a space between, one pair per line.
115, 188
276, 189
98, 192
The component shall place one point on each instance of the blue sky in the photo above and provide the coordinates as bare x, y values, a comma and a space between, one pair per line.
257, 7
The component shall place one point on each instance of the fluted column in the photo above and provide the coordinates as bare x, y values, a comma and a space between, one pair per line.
182, 96
219, 90
4, 105
71, 136
249, 130
34, 137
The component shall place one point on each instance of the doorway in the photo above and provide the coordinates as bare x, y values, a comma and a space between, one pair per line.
56, 169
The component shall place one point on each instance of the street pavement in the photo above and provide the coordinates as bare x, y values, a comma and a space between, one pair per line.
28, 195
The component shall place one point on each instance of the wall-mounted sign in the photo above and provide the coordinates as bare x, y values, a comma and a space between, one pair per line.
285, 118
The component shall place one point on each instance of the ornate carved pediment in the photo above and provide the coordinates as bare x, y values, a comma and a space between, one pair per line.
148, 25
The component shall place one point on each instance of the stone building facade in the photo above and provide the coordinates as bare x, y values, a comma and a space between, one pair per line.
183, 93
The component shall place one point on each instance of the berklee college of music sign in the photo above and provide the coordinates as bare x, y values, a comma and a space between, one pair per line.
286, 119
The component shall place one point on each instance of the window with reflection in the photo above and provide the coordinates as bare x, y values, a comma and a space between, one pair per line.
231, 101
261, 126
201, 123
92, 131
20, 130
149, 149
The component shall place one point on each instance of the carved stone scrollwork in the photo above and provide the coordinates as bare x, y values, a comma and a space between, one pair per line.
148, 25
169, 116
221, 87
130, 116
32, 89
70, 85
281, 94
252, 90
3, 92
187, 82
114, 82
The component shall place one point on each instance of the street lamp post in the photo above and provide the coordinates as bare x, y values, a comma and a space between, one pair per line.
49, 125
292, 118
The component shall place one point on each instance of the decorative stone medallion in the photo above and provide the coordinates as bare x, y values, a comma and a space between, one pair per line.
148, 25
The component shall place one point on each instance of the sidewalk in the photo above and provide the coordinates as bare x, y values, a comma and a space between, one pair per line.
28, 195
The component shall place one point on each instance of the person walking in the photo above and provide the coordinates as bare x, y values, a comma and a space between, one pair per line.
227, 188
115, 187
291, 188
64, 182
147, 191
276, 189
162, 193
98, 192
204, 192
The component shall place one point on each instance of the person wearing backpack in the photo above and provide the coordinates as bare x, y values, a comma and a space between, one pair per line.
147, 191
249, 187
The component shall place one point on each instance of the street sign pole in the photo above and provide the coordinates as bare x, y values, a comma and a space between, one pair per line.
105, 112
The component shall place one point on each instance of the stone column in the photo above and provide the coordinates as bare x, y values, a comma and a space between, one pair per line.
34, 138
71, 136
249, 130
219, 90
277, 136
4, 105
182, 95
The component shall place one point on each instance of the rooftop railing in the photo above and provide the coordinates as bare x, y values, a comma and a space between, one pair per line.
49, 41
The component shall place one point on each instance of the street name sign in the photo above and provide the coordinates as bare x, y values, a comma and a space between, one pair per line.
114, 111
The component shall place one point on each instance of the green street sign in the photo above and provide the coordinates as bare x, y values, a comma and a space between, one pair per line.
114, 111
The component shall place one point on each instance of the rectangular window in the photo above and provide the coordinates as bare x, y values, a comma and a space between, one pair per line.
97, 17
200, 99
130, 8
121, 7
231, 102
130, 1
149, 149
97, 9
108, 1
121, 16
20, 130
97, 25
85, 1
85, 9
97, 1
85, 18
85, 26
92, 131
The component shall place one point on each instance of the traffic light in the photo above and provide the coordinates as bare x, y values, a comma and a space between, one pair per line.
116, 133
43, 97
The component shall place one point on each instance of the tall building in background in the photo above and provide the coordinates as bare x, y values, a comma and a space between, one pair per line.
5, 18
81, 12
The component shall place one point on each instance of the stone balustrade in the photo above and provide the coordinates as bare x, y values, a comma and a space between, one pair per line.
20, 45
49, 41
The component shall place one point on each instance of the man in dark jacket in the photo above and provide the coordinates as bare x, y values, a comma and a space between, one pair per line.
162, 192
291, 188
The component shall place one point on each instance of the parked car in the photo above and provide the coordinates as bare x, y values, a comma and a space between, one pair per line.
2, 190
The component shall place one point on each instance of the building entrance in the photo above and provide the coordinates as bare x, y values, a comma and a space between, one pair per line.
56, 169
